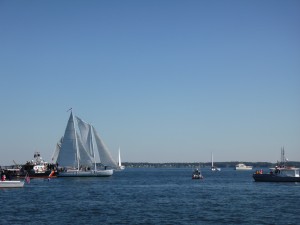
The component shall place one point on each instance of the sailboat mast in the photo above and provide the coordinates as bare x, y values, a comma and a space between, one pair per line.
212, 160
119, 158
77, 148
93, 146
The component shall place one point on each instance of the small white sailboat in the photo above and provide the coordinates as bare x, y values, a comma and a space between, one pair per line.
120, 163
80, 150
213, 168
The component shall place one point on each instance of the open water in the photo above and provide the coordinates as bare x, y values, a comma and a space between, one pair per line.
153, 196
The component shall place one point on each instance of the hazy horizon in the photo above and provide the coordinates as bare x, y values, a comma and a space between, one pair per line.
162, 80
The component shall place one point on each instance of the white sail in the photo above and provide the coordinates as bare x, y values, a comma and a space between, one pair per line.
85, 131
68, 154
214, 168
56, 151
76, 152
86, 160
119, 163
104, 154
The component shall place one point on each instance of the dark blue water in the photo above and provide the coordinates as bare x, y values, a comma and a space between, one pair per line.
153, 196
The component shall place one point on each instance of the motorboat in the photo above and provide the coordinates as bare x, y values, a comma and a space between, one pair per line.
197, 174
36, 168
281, 172
242, 166
11, 184
278, 174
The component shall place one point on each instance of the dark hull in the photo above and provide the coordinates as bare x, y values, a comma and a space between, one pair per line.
274, 178
33, 175
197, 176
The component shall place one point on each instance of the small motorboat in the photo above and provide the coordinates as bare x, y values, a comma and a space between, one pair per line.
11, 184
197, 174
242, 166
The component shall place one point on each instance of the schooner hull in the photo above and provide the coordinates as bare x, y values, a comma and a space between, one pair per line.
91, 173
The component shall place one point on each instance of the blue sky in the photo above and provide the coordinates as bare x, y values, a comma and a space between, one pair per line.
167, 81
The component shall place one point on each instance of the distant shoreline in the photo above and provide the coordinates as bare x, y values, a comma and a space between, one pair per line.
204, 164
196, 164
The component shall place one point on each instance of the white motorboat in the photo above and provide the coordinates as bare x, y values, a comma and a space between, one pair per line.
11, 184
242, 166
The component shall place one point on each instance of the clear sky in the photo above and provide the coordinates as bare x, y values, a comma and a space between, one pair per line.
167, 81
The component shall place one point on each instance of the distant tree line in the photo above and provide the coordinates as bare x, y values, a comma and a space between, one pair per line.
204, 164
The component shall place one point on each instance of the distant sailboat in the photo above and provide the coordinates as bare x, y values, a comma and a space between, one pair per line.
80, 150
213, 168
120, 163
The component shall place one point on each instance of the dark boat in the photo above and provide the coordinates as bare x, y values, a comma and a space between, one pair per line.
281, 173
36, 168
197, 174
278, 174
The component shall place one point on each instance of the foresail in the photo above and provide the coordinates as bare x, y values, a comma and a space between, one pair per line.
67, 156
56, 151
85, 131
104, 154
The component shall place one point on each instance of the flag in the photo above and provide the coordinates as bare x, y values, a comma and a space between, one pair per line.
27, 178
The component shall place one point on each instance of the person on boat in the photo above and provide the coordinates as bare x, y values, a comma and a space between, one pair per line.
3, 178
276, 170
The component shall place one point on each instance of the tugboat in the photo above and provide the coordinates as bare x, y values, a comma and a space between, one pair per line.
281, 173
36, 168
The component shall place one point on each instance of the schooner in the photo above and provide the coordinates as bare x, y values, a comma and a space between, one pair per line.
80, 150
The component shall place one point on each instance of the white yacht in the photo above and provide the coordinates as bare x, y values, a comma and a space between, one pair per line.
242, 166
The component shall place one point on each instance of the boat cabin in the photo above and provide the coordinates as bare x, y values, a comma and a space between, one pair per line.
286, 171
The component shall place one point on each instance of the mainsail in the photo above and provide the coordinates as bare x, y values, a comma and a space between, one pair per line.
79, 144
119, 162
